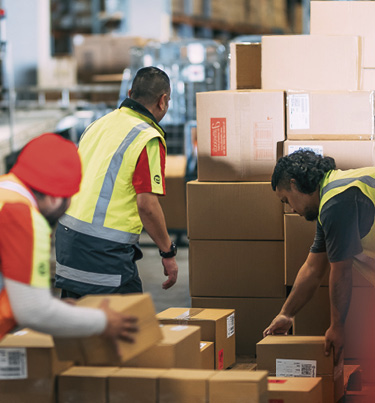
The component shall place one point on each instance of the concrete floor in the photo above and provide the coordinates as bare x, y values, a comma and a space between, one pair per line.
152, 274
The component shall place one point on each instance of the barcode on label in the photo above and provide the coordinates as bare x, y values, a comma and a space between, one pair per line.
230, 325
13, 363
296, 368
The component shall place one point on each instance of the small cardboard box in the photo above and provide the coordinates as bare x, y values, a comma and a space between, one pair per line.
174, 202
234, 211
217, 325
84, 384
330, 115
238, 386
29, 365
253, 315
184, 386
237, 134
301, 356
98, 350
134, 385
245, 66
346, 18
291, 390
236, 268
207, 349
349, 154
179, 348
311, 62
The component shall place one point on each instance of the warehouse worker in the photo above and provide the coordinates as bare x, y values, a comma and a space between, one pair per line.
33, 196
342, 202
123, 157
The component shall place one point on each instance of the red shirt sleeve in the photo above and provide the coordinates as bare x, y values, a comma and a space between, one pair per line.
16, 242
142, 176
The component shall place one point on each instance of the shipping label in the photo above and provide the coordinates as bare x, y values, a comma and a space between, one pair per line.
316, 149
296, 368
230, 325
13, 363
299, 111
218, 137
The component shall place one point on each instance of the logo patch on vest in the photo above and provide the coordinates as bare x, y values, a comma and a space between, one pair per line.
157, 179
42, 268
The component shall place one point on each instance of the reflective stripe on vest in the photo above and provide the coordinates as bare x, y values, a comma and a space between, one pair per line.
15, 187
367, 180
96, 228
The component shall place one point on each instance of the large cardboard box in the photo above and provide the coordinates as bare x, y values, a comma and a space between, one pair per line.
98, 350
245, 66
136, 385
330, 115
347, 154
234, 211
253, 315
302, 356
291, 390
346, 18
311, 62
217, 325
367, 79
207, 349
103, 54
299, 237
179, 348
174, 202
84, 384
238, 133
184, 386
236, 268
238, 386
28, 367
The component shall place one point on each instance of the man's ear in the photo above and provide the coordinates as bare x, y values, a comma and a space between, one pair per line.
162, 102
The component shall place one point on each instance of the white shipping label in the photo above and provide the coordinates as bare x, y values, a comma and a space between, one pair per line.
316, 149
13, 363
230, 325
179, 328
299, 111
296, 368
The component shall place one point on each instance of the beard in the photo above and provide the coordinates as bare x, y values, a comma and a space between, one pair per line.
311, 214
53, 217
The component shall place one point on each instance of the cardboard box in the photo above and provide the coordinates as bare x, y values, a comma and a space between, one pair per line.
367, 79
311, 62
184, 386
301, 356
207, 349
347, 154
134, 385
346, 18
237, 134
238, 386
291, 390
174, 202
234, 211
98, 350
179, 348
236, 268
217, 325
245, 66
253, 315
103, 54
84, 384
29, 365
330, 115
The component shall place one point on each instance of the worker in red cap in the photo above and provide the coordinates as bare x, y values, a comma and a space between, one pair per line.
33, 196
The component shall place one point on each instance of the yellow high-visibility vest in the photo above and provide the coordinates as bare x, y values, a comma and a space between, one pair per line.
335, 182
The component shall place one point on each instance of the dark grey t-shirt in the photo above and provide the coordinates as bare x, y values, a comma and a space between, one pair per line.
346, 219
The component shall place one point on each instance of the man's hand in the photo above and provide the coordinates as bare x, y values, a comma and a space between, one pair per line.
170, 270
280, 325
118, 326
334, 338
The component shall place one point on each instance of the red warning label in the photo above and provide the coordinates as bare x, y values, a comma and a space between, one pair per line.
218, 137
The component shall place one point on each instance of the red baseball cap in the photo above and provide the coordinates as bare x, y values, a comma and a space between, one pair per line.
51, 165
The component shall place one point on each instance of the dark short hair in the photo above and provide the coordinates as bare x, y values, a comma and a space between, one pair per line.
305, 167
149, 84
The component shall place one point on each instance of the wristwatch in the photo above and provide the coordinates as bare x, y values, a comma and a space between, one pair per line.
171, 253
